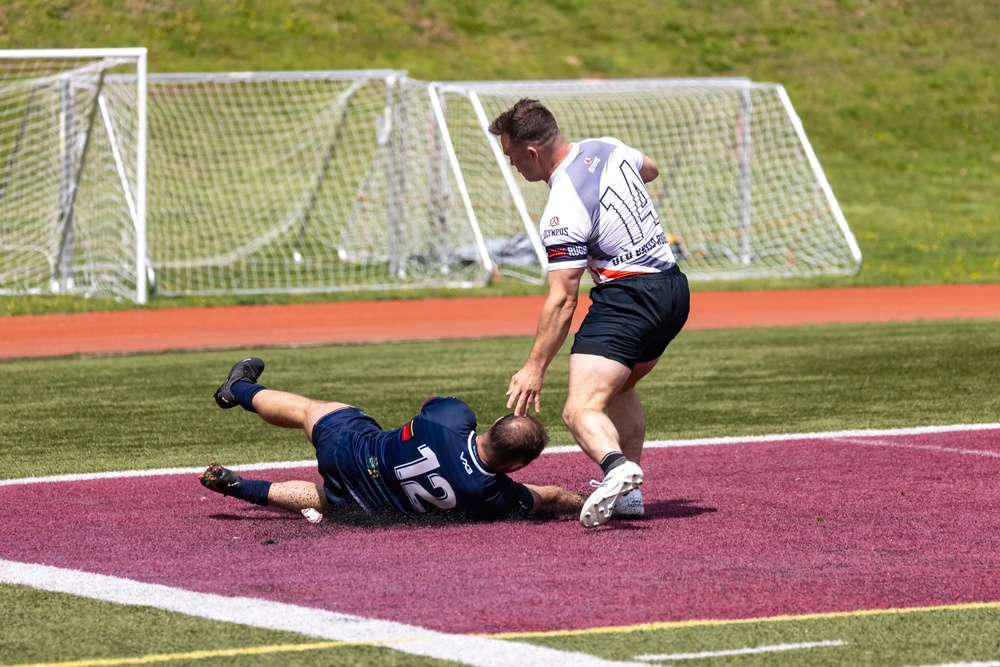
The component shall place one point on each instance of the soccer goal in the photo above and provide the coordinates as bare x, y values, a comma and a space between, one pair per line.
740, 193
264, 182
72, 142
301, 181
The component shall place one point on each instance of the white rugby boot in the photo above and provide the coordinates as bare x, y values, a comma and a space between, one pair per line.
601, 503
630, 506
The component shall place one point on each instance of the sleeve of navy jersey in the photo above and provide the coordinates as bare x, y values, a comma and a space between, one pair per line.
505, 498
449, 413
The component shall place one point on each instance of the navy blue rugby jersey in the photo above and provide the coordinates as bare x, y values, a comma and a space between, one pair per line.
429, 465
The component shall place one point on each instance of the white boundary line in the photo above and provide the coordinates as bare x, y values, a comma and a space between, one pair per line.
781, 437
465, 649
741, 651
560, 449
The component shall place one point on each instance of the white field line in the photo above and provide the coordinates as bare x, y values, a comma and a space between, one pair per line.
741, 651
822, 435
560, 449
991, 663
933, 448
465, 649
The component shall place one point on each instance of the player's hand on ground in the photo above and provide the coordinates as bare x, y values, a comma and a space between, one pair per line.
525, 388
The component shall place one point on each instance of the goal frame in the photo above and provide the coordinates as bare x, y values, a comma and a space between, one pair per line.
136, 203
465, 176
743, 140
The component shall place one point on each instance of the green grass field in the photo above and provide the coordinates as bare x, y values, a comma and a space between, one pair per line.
153, 411
899, 101
140, 635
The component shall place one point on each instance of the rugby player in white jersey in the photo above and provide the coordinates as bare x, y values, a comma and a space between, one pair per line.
599, 217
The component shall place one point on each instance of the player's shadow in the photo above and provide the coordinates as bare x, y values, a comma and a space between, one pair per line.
678, 508
257, 516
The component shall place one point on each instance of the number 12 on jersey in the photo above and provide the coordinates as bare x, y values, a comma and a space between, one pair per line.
425, 467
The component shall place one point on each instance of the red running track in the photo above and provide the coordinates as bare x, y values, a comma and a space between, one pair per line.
460, 317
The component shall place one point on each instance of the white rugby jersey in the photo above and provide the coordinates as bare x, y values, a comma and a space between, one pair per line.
599, 214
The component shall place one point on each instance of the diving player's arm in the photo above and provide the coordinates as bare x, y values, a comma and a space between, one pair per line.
554, 499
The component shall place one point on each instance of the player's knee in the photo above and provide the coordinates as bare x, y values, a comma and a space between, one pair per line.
567, 416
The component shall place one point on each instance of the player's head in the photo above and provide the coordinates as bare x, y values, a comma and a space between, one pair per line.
527, 122
527, 131
516, 441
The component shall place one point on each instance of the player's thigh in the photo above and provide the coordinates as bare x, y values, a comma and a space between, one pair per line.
641, 370
594, 380
318, 411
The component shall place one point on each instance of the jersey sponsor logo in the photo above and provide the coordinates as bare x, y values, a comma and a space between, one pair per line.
566, 252
591, 163
465, 463
635, 253
554, 222
549, 233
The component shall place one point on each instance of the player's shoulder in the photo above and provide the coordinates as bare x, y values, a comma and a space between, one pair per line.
445, 402
449, 411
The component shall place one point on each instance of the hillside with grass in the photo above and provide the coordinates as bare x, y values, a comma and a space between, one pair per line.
899, 100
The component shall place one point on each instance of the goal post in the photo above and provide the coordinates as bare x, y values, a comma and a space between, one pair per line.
741, 193
72, 188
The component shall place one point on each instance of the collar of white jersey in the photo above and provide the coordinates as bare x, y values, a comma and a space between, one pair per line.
474, 455
574, 150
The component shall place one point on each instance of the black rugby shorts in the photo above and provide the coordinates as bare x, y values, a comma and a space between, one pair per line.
632, 320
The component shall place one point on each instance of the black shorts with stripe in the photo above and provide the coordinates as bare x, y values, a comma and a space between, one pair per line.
632, 319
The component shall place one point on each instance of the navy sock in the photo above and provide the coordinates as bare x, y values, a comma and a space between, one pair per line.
254, 491
611, 461
244, 391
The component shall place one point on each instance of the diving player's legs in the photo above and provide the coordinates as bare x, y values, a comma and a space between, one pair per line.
278, 408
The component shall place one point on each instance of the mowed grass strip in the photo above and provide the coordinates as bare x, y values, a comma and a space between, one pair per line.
156, 410
45, 628
53, 629
933, 636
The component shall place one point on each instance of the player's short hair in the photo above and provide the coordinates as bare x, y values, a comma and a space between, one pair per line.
527, 122
516, 439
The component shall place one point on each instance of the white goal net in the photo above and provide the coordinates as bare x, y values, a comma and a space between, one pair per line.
740, 192
264, 182
71, 189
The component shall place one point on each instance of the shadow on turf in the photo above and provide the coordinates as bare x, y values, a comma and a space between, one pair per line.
681, 508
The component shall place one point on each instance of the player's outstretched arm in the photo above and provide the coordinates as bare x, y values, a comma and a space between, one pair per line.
554, 323
297, 495
555, 499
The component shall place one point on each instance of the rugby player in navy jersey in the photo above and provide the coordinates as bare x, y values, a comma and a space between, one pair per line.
435, 463
599, 217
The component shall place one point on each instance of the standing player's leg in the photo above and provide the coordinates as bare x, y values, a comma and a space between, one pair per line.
626, 413
593, 381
